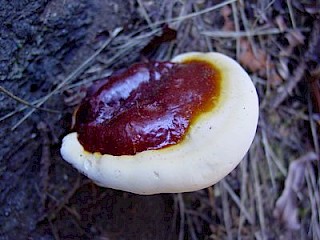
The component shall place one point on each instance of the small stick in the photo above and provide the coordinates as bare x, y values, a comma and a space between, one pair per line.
71, 76
237, 201
237, 28
292, 18
226, 210
295, 79
257, 188
145, 14
182, 216
20, 100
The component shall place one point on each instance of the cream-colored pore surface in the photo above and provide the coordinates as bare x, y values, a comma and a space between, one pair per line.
213, 147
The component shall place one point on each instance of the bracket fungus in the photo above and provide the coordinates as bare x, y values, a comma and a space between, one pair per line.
165, 127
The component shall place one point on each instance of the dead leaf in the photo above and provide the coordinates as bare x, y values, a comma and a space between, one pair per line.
259, 63
228, 24
286, 210
274, 77
255, 62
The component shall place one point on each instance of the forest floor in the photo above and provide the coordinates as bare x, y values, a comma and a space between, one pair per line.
51, 51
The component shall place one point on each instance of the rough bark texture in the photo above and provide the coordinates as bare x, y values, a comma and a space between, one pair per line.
41, 42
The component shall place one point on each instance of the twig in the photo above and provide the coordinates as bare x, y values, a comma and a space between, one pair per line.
60, 203
200, 28
20, 100
12, 113
243, 192
145, 14
267, 153
275, 159
226, 210
237, 27
182, 17
175, 214
250, 33
211, 199
294, 80
292, 18
196, 213
263, 10
88, 80
120, 53
194, 14
54, 230
83, 66
246, 26
182, 13
122, 50
71, 76
237, 200
313, 191
257, 188
313, 127
182, 216
191, 228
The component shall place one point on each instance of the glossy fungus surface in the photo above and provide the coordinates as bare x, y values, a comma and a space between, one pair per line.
149, 106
